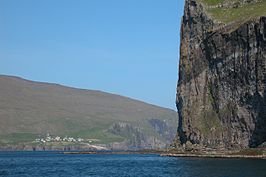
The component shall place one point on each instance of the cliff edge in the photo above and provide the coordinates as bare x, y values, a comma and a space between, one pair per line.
221, 92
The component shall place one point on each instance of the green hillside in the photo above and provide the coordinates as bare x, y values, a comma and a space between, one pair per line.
225, 11
31, 110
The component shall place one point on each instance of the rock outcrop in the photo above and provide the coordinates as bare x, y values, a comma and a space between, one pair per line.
221, 92
138, 137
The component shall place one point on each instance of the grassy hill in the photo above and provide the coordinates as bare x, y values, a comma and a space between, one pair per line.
228, 11
30, 110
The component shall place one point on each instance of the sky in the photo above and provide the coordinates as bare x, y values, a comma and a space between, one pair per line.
125, 47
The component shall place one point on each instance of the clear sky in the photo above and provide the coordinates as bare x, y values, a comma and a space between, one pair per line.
126, 47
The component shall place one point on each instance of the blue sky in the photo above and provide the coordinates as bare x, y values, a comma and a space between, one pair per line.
126, 47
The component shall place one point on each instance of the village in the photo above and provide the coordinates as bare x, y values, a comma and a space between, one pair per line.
50, 138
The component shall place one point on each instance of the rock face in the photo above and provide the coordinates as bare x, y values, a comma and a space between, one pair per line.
221, 92
138, 138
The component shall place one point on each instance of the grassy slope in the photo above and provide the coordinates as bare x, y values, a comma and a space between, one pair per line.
216, 2
29, 109
242, 13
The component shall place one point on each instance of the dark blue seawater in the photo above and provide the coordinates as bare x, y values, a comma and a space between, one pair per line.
46, 164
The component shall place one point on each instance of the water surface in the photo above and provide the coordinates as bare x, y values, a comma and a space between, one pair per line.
47, 164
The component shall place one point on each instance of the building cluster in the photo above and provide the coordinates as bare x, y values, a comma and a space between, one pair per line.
49, 138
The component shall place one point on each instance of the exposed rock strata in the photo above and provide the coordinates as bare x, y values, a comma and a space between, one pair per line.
138, 138
221, 94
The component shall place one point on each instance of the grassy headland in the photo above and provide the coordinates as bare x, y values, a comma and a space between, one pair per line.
225, 11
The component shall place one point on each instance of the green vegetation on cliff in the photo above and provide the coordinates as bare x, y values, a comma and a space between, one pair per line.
224, 11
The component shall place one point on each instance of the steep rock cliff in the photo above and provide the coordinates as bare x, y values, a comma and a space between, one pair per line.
221, 94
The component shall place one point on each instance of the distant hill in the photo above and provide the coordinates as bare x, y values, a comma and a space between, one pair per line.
32, 110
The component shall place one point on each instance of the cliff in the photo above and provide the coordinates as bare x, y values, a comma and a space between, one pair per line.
221, 92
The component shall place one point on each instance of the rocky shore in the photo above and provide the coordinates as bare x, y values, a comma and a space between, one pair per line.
215, 156
244, 154
248, 153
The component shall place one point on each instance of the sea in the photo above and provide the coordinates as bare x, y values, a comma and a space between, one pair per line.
56, 164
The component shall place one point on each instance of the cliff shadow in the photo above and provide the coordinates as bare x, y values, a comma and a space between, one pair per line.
259, 134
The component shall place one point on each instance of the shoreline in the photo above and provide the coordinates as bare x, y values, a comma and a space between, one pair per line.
159, 152
165, 153
223, 156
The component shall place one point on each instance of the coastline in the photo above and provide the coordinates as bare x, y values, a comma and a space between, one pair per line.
215, 156
242, 154
159, 152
